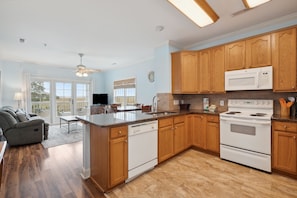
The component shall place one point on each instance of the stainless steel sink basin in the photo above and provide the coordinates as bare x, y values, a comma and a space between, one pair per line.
159, 113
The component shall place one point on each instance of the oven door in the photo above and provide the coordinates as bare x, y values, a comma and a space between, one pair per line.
252, 135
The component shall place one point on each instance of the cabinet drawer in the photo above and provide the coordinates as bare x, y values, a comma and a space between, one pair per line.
116, 132
179, 119
165, 122
284, 126
212, 118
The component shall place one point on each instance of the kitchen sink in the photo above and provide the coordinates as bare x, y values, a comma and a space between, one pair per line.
159, 113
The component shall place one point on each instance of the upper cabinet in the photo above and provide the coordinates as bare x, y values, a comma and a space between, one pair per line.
284, 60
211, 77
235, 56
250, 53
184, 67
258, 51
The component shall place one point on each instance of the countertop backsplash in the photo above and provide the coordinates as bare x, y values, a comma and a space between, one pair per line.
166, 99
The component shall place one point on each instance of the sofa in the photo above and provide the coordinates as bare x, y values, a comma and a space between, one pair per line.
21, 128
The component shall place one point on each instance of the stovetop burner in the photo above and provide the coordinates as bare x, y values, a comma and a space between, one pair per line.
258, 114
233, 112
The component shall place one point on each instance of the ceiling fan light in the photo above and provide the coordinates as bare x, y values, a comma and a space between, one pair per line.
79, 74
254, 3
197, 10
85, 74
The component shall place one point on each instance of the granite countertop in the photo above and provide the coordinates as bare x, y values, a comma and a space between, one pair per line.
277, 117
131, 117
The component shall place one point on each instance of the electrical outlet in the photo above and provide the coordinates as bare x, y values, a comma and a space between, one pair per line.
175, 102
222, 103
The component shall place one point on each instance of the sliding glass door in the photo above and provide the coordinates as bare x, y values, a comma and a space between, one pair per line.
41, 99
51, 99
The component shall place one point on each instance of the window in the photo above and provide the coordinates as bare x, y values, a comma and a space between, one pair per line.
124, 92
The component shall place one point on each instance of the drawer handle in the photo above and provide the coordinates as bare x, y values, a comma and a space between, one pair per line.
120, 132
285, 126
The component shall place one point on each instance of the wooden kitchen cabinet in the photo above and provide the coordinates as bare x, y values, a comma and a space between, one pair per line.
258, 51
235, 56
165, 139
217, 70
184, 71
179, 134
189, 131
199, 130
118, 158
249, 53
172, 137
213, 133
204, 70
284, 60
108, 156
284, 147
206, 132
212, 70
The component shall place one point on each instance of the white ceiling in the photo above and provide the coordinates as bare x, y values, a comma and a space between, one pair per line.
113, 33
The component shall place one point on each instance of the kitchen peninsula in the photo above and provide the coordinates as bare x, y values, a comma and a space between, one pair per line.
105, 145
105, 140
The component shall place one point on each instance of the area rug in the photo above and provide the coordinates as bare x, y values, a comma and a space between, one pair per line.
59, 136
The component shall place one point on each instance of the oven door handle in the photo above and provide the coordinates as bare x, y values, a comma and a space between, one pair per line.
246, 121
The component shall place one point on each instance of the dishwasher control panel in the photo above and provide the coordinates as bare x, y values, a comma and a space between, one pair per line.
142, 127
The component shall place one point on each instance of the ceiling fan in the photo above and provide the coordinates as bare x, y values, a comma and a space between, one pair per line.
82, 71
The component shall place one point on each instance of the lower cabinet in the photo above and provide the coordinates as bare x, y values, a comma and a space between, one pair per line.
213, 133
172, 137
118, 158
108, 156
284, 147
206, 132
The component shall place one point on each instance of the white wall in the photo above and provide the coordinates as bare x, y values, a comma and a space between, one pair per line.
12, 78
145, 89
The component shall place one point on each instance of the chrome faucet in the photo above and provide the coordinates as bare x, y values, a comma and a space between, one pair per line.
155, 104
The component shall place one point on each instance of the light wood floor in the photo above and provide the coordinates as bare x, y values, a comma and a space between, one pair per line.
196, 174
32, 171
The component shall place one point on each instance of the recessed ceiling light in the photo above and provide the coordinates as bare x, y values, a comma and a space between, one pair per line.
22, 40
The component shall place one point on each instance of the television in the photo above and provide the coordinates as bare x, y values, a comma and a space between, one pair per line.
100, 99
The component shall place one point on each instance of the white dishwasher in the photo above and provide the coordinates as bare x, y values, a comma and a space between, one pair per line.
142, 148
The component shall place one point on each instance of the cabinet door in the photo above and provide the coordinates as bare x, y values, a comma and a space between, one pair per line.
165, 149
235, 56
204, 71
118, 160
179, 137
284, 151
284, 60
189, 131
184, 72
199, 131
213, 137
258, 51
217, 70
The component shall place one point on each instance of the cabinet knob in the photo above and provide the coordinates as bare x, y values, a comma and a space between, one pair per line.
120, 132
294, 137
126, 141
285, 126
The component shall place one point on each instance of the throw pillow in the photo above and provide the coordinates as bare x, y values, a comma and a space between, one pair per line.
21, 116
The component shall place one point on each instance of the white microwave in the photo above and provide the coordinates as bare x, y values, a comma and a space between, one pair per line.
249, 79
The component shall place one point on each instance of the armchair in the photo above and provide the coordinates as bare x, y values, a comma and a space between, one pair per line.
20, 133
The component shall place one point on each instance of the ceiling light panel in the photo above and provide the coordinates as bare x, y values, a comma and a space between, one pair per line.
254, 3
197, 10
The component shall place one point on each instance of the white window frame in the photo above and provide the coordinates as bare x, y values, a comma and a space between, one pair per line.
124, 85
